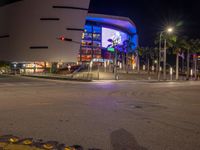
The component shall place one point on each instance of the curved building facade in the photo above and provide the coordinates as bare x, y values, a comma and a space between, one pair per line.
100, 30
42, 33
30, 29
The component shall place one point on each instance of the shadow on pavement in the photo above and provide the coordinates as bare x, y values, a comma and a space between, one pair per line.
123, 140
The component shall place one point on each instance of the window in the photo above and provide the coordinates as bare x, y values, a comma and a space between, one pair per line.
39, 47
50, 19
70, 7
4, 36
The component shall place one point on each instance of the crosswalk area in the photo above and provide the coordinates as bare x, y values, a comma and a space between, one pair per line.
18, 84
18, 81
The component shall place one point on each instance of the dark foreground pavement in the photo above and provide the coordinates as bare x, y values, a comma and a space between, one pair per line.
110, 115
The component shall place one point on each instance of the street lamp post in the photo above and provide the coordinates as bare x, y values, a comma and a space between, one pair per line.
164, 59
169, 30
159, 60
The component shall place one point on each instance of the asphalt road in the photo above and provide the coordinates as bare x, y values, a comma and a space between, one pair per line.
110, 115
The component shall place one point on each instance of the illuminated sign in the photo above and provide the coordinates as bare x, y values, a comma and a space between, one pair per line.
110, 49
117, 37
198, 57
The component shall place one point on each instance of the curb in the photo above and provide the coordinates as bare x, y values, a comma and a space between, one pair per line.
57, 78
10, 142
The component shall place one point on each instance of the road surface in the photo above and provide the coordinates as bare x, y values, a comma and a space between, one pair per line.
109, 115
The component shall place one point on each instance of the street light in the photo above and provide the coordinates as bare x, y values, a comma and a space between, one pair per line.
168, 30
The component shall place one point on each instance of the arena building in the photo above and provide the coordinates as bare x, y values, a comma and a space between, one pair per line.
36, 34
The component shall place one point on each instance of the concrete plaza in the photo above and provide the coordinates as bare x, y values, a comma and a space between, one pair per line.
109, 115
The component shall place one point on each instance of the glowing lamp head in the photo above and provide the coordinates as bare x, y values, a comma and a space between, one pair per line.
170, 30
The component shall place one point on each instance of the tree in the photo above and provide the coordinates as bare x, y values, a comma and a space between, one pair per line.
148, 55
186, 46
178, 46
194, 49
138, 53
4, 66
128, 49
114, 44
169, 41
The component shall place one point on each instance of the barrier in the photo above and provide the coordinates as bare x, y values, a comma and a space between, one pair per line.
10, 142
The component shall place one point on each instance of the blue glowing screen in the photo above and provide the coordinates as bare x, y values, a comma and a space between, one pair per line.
115, 35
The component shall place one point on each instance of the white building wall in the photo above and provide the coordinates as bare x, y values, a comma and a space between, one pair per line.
21, 20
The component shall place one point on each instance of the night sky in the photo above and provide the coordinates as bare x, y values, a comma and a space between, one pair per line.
152, 16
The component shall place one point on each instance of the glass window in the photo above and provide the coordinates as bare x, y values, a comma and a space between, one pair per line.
96, 29
87, 36
96, 37
88, 28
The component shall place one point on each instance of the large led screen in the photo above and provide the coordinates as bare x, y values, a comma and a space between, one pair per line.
117, 36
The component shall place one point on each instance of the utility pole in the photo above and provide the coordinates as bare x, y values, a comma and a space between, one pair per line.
188, 64
177, 66
165, 59
159, 59
169, 30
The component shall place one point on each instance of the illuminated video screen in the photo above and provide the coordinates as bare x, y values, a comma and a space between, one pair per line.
117, 36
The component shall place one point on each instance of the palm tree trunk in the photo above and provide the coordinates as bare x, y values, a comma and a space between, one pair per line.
132, 61
182, 68
177, 66
123, 60
127, 62
165, 60
148, 67
188, 64
115, 62
195, 67
138, 63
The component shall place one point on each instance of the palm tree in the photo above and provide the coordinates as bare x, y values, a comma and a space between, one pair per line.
170, 41
194, 49
186, 45
114, 44
128, 49
149, 54
178, 45
155, 57
138, 53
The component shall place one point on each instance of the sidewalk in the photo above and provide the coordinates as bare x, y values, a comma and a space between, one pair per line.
95, 75
57, 77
